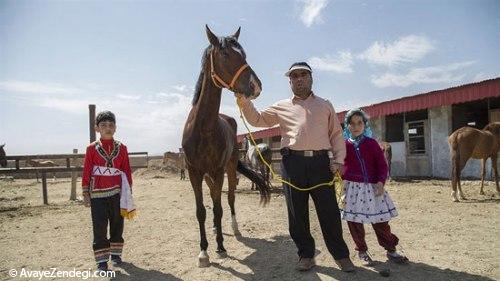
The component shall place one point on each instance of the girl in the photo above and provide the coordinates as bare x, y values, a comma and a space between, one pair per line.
364, 199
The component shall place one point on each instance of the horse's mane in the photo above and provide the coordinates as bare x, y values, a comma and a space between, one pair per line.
197, 89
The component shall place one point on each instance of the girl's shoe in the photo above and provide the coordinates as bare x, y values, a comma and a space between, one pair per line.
365, 259
397, 257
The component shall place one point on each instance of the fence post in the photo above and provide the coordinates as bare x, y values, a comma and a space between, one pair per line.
44, 188
92, 122
74, 176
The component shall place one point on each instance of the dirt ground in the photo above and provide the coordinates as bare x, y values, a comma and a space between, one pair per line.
444, 240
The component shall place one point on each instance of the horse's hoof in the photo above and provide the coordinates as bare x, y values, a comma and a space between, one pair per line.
221, 254
203, 262
203, 259
455, 200
481, 193
237, 233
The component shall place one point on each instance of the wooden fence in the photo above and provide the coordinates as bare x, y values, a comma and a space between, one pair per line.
70, 166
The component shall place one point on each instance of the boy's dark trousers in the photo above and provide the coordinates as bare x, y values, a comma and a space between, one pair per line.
304, 171
106, 210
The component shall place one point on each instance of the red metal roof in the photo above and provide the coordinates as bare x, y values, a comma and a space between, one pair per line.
459, 94
266, 133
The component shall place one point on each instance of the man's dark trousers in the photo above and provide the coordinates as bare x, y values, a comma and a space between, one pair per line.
304, 171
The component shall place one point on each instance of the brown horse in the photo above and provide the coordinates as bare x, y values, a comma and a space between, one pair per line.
209, 138
387, 149
40, 163
3, 158
468, 142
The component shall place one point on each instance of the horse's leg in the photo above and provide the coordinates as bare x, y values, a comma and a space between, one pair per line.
455, 174
494, 159
211, 185
215, 193
231, 181
483, 173
196, 182
462, 163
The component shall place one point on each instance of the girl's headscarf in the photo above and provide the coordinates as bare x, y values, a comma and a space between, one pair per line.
366, 133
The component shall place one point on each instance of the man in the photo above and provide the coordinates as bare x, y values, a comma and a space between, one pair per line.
313, 150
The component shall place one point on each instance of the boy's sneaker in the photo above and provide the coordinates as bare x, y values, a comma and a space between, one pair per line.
116, 260
102, 266
396, 257
366, 260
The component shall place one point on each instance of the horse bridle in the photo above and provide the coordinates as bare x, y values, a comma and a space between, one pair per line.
218, 81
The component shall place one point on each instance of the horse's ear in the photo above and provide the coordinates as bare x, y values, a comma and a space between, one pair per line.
214, 40
237, 33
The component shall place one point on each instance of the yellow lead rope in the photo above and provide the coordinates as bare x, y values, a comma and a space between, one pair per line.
336, 179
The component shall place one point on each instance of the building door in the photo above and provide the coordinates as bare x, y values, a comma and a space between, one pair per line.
418, 152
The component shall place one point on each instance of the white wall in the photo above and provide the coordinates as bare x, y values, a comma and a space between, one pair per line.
398, 163
440, 129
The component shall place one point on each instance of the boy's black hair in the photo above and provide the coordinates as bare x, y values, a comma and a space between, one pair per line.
105, 116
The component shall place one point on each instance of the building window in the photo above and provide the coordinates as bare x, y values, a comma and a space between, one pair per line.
394, 128
416, 138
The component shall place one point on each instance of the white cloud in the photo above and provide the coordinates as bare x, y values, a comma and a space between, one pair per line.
180, 88
342, 63
311, 11
404, 50
68, 105
481, 76
32, 87
128, 97
146, 122
427, 75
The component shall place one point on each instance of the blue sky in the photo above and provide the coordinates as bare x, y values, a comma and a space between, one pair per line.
141, 59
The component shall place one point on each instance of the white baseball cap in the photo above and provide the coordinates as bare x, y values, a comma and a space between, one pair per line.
298, 65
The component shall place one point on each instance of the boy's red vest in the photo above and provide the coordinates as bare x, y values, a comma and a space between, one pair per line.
105, 153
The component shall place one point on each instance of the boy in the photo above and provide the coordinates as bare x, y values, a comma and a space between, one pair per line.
106, 184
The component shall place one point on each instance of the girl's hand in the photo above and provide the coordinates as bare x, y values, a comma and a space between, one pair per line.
378, 189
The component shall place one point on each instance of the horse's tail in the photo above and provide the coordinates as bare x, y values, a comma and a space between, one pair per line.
258, 179
267, 154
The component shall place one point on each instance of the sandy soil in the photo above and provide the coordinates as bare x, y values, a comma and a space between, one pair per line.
444, 240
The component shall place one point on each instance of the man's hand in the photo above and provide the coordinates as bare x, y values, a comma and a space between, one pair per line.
86, 200
378, 189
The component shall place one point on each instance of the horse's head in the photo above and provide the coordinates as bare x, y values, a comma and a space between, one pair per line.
3, 159
228, 66
494, 128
